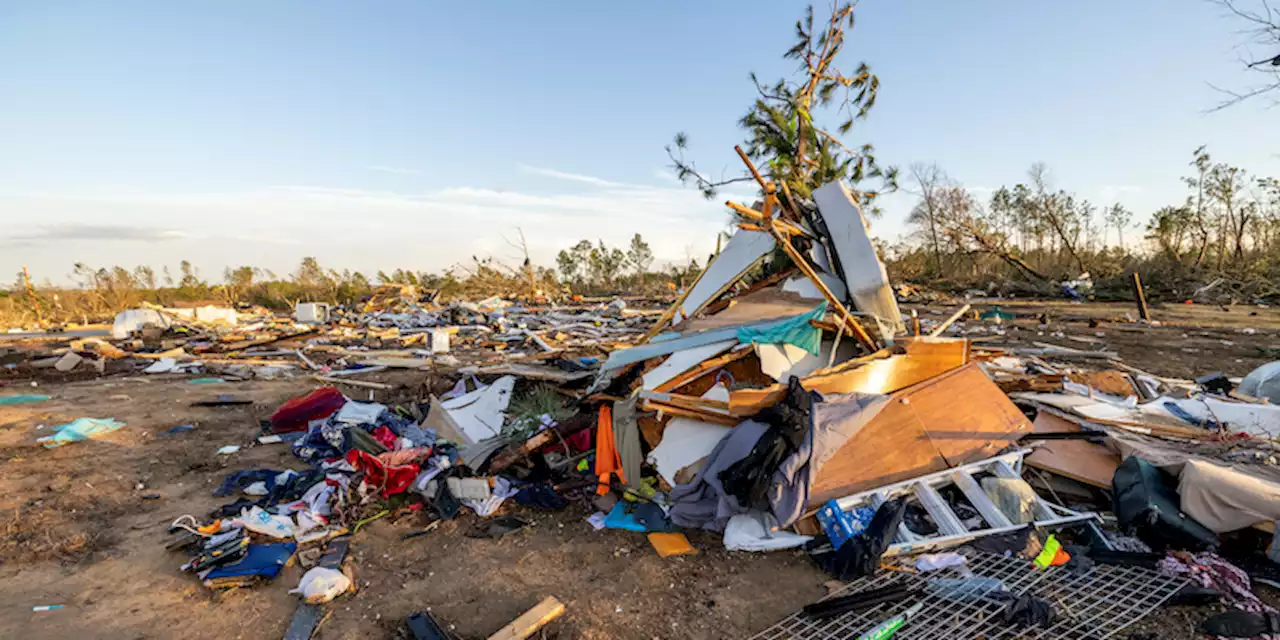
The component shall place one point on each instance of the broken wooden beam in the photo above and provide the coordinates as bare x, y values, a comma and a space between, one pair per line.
355, 383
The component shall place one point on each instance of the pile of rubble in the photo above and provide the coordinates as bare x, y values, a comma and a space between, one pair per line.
955, 486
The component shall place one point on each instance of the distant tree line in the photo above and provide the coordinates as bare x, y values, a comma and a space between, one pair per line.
1228, 226
96, 293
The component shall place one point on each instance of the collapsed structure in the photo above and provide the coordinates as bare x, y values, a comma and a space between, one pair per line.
783, 400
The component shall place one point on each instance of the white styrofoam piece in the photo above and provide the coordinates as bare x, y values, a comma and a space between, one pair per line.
481, 413
744, 249
311, 312
686, 441
131, 320
360, 412
681, 361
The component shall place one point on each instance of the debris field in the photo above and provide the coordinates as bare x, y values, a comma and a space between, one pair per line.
790, 447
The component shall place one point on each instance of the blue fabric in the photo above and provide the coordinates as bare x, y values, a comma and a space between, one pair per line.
237, 481
81, 429
265, 560
640, 517
796, 330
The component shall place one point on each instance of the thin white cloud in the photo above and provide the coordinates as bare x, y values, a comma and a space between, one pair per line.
365, 229
382, 168
572, 177
47, 234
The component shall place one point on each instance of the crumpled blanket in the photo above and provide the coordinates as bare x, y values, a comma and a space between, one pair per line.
704, 503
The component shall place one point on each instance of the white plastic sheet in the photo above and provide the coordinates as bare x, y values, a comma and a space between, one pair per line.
748, 532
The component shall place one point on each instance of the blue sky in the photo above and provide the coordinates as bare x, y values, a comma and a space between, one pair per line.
377, 135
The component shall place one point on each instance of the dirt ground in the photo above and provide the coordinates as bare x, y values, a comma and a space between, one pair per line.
83, 528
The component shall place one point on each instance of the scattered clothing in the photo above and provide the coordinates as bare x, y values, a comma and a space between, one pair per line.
861, 556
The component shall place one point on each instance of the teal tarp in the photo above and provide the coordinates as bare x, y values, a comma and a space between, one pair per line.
80, 429
795, 331
22, 399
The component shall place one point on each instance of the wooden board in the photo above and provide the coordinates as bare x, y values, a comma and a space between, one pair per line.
949, 420
758, 306
1082, 461
925, 358
1114, 382
532, 620
891, 448
966, 416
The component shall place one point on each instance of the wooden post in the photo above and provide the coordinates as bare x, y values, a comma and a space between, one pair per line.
1141, 297
855, 328
946, 323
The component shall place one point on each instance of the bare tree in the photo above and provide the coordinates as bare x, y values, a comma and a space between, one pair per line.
1119, 217
1259, 50
929, 181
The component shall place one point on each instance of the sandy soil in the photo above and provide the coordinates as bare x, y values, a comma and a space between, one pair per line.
78, 530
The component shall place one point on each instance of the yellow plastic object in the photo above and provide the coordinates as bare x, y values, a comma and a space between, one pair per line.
671, 544
1052, 555
211, 529
645, 492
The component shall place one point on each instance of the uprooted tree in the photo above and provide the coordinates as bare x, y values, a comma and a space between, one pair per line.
784, 136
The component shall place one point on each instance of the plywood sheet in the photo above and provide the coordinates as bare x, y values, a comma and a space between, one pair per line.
1086, 462
949, 420
892, 447
966, 415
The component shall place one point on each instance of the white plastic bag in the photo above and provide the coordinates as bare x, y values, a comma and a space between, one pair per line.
322, 584
259, 521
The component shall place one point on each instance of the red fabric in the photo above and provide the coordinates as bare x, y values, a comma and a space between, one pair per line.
294, 414
390, 480
580, 441
386, 437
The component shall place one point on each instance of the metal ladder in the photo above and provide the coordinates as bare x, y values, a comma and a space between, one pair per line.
951, 529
